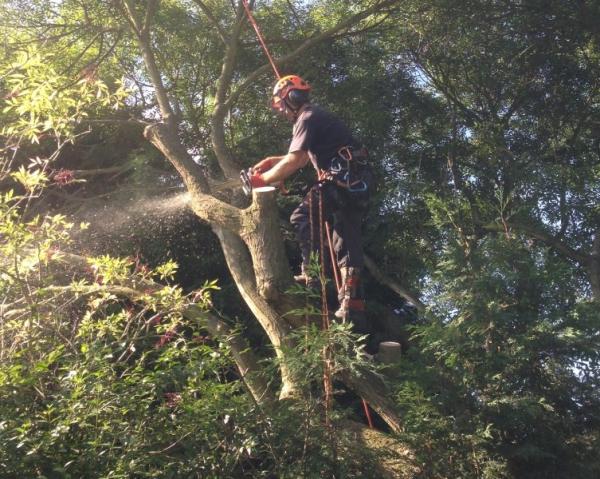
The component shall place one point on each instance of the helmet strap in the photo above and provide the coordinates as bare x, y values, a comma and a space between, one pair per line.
290, 107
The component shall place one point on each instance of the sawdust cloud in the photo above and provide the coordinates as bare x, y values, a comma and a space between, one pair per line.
120, 224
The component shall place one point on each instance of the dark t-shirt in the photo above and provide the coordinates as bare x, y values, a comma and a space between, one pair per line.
321, 134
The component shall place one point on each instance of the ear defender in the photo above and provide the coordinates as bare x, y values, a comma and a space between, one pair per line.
297, 98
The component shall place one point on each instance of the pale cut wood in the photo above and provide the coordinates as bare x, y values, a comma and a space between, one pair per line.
390, 352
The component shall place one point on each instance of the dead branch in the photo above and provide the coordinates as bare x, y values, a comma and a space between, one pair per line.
372, 389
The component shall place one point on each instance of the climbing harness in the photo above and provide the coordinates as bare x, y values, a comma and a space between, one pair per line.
343, 170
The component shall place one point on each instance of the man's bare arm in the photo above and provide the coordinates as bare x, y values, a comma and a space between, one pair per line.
286, 167
267, 163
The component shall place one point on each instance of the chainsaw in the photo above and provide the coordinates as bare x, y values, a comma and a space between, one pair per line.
217, 186
245, 179
245, 183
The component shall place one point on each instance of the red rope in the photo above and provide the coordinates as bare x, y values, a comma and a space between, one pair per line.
367, 413
260, 38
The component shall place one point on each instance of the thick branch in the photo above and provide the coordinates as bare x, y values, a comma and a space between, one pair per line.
276, 328
245, 360
227, 164
203, 204
142, 33
393, 285
151, 8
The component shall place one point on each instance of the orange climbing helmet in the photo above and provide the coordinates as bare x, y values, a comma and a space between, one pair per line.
286, 85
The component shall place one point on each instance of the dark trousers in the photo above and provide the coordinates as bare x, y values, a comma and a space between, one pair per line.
343, 211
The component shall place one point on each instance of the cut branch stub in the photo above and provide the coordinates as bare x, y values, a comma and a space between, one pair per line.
262, 235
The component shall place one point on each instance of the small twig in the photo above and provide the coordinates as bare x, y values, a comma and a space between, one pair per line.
171, 446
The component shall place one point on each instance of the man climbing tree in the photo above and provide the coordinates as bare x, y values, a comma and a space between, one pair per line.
340, 196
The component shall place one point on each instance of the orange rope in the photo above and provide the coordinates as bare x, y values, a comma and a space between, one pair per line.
327, 383
260, 38
367, 413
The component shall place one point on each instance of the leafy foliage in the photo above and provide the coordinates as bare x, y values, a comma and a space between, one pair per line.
41, 101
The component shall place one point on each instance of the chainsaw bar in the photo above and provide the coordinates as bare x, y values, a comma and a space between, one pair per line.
245, 179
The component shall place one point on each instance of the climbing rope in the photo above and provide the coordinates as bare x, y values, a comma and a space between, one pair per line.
260, 37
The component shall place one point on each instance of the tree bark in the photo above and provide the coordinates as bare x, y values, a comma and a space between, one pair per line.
241, 268
263, 237
246, 361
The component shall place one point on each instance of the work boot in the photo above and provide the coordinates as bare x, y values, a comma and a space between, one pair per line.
352, 303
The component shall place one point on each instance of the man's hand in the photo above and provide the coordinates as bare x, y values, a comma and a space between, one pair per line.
257, 181
266, 164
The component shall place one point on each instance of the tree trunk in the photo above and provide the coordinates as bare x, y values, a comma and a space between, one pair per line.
240, 265
262, 235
